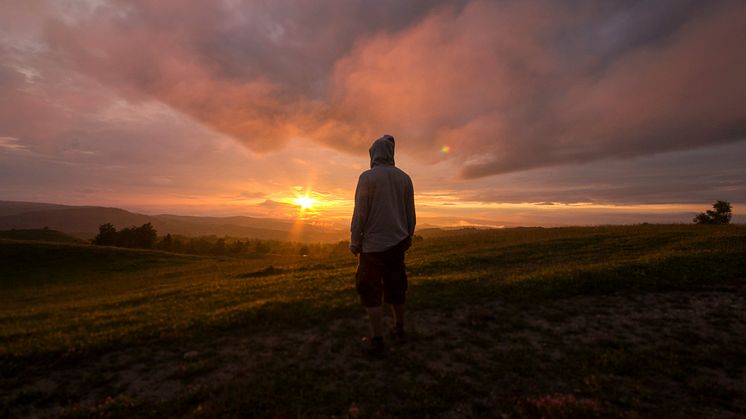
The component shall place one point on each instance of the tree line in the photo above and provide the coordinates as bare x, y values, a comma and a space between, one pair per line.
146, 237
143, 237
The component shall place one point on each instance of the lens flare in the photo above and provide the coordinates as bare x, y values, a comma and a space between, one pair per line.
304, 202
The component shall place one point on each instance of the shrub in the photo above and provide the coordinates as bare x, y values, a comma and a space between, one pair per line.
143, 237
721, 214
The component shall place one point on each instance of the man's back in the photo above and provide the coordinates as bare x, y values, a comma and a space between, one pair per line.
384, 203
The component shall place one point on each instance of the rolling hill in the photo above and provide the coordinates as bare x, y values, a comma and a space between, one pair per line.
39, 234
83, 222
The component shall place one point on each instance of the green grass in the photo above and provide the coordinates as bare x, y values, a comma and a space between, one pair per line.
64, 303
64, 298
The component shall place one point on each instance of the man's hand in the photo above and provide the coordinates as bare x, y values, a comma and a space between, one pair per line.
408, 243
355, 250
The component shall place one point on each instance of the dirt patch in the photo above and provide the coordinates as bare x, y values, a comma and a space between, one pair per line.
625, 351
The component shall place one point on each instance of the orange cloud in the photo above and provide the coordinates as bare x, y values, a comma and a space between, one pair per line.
509, 85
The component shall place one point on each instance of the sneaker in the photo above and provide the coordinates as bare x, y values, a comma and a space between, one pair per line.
374, 347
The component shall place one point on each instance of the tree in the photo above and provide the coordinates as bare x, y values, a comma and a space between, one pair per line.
167, 243
238, 246
303, 251
144, 236
341, 248
262, 247
721, 215
107, 235
219, 247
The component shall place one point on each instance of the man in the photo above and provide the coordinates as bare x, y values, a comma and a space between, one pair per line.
382, 228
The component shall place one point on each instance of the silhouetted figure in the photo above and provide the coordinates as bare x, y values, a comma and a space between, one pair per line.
382, 229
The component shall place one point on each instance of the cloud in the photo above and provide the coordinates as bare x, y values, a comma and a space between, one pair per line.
270, 208
256, 71
671, 178
540, 101
508, 86
250, 195
11, 144
512, 86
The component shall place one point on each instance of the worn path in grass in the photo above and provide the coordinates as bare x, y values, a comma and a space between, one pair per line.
677, 353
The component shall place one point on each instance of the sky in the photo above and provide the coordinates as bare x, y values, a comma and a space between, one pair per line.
504, 112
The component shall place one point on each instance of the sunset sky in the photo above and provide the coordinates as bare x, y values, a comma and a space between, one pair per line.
504, 112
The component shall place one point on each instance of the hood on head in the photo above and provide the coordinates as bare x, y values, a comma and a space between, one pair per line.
382, 151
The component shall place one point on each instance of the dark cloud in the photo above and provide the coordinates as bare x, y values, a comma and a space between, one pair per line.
496, 90
258, 71
561, 100
702, 175
509, 86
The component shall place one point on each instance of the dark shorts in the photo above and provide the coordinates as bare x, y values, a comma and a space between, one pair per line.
382, 274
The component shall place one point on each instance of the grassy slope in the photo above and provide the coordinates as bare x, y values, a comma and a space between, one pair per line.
40, 234
80, 301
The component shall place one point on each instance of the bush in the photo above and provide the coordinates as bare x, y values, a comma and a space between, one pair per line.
107, 235
143, 237
721, 215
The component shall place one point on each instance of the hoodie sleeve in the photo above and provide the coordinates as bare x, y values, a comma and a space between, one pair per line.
359, 215
411, 215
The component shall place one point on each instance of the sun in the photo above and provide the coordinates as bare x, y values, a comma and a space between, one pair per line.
305, 202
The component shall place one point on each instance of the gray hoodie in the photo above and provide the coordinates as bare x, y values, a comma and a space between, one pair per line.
384, 202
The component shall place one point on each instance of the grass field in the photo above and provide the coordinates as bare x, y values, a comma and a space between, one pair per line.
643, 320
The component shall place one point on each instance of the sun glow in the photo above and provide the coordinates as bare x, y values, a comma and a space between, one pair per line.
305, 202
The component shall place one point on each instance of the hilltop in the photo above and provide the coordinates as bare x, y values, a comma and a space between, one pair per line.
563, 322
40, 234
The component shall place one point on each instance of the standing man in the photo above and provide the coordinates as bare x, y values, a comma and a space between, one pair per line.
382, 228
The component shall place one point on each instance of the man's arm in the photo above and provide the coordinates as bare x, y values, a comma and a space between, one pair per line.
411, 215
359, 216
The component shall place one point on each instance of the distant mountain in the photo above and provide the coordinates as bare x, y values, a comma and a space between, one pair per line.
18, 207
83, 222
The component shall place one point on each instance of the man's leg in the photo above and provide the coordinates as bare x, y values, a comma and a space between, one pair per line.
398, 311
395, 288
369, 286
375, 316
